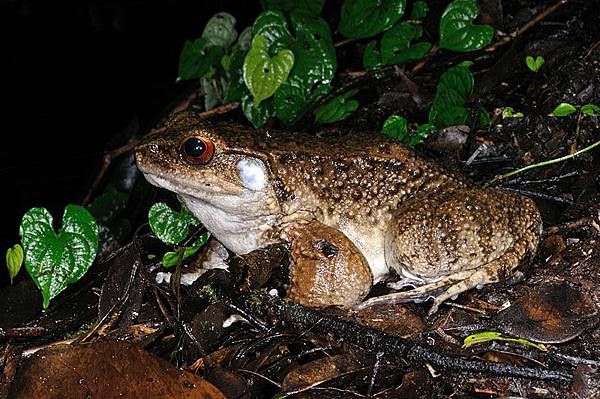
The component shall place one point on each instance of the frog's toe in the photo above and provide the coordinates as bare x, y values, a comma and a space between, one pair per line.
431, 290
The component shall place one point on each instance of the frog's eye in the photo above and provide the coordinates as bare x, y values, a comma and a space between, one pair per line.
198, 151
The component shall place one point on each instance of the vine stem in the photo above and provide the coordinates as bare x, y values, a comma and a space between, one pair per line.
544, 163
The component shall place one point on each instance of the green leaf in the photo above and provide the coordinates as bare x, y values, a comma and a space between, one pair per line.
312, 6
14, 260
257, 116
366, 18
423, 131
485, 119
107, 209
564, 109
509, 112
457, 31
590, 109
273, 26
197, 58
534, 63
56, 260
263, 74
395, 127
294, 97
313, 70
420, 9
459, 79
172, 258
220, 30
169, 226
107, 206
396, 47
487, 336
371, 55
214, 91
337, 109
453, 92
237, 88
245, 39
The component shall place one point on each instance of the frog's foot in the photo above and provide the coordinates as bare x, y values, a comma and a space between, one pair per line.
406, 282
328, 269
435, 290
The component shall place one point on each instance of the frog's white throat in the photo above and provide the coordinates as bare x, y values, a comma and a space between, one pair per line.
241, 232
238, 219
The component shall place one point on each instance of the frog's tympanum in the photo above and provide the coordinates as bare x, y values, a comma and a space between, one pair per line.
355, 209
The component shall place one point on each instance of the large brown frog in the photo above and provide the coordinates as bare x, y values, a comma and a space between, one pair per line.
355, 209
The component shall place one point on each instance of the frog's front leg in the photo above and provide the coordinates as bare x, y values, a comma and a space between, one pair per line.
328, 269
459, 240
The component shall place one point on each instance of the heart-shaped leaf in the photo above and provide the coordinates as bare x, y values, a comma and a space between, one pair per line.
396, 47
366, 18
169, 226
56, 260
220, 30
273, 26
263, 74
457, 31
453, 92
337, 109
313, 70
534, 64
14, 260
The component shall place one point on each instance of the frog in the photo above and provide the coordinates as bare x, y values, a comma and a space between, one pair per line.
355, 208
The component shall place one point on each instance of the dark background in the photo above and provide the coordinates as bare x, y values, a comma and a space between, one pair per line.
76, 74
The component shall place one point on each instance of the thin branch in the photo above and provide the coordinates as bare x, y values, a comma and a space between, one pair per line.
540, 16
544, 163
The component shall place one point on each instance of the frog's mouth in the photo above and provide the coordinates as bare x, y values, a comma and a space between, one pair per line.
205, 190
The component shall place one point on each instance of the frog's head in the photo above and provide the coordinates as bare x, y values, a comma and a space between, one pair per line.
208, 167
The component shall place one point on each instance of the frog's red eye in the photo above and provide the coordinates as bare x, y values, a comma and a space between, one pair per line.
197, 150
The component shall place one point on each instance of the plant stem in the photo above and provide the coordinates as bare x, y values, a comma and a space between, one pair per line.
544, 163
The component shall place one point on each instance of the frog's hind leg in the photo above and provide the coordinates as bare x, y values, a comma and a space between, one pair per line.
458, 241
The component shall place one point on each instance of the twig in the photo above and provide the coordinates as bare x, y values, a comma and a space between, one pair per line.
421, 64
544, 163
344, 42
543, 14
278, 385
22, 332
567, 226
396, 350
221, 109
591, 50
